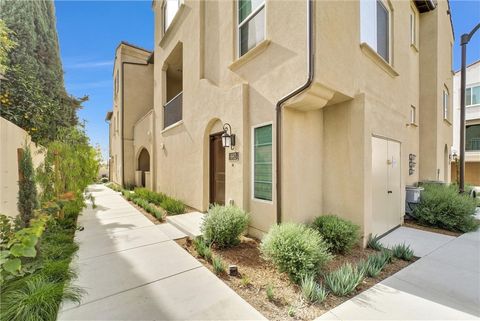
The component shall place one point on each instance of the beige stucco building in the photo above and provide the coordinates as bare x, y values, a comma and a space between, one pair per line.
374, 115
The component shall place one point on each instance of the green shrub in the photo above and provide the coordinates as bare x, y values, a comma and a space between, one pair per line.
149, 208
270, 292
57, 271
35, 298
27, 188
219, 266
173, 206
341, 235
311, 290
57, 251
403, 252
442, 206
373, 265
374, 243
343, 281
387, 255
150, 196
295, 249
200, 246
223, 225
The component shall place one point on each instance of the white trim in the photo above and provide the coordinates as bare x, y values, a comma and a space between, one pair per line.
252, 162
178, 123
248, 18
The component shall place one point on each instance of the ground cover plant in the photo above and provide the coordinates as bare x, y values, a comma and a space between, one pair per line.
295, 249
344, 281
223, 225
442, 206
311, 290
374, 243
341, 235
403, 252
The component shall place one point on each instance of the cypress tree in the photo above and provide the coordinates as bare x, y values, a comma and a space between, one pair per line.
27, 188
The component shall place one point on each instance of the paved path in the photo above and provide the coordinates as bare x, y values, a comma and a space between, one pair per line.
134, 270
442, 285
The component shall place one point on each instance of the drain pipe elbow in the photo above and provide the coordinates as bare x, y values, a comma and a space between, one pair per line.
279, 107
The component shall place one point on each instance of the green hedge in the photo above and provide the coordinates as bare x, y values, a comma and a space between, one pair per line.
341, 235
223, 225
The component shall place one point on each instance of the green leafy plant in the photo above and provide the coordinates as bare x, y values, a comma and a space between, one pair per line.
245, 281
341, 235
57, 271
311, 290
200, 246
148, 207
219, 266
150, 196
207, 254
7, 229
374, 243
295, 249
173, 206
27, 187
291, 311
387, 255
442, 206
223, 225
35, 298
403, 252
344, 281
270, 292
373, 265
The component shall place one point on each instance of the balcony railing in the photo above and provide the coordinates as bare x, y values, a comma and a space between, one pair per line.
172, 111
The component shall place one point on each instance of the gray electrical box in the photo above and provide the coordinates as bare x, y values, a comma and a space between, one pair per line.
412, 198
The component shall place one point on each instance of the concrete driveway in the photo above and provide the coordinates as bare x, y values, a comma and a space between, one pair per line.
134, 270
444, 284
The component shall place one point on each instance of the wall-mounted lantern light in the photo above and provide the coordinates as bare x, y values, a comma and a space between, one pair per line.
228, 139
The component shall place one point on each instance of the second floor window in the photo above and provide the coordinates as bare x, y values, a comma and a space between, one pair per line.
170, 8
472, 138
375, 26
445, 103
251, 24
413, 28
472, 96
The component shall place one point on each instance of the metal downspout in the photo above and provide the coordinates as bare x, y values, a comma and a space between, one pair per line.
278, 109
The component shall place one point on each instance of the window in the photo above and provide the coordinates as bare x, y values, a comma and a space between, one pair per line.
445, 103
472, 96
170, 8
375, 26
251, 24
413, 115
262, 162
413, 28
472, 137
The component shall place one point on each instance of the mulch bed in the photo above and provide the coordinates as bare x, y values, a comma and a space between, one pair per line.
414, 224
255, 274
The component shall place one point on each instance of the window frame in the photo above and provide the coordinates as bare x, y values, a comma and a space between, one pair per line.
445, 103
467, 104
413, 115
164, 15
252, 185
239, 24
413, 26
366, 19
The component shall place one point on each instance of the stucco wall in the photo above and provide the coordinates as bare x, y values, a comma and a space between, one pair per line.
12, 138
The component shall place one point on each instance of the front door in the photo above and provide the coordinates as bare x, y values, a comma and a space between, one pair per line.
217, 170
386, 192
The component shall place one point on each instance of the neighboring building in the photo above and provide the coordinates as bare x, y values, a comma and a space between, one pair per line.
375, 118
12, 144
131, 120
472, 120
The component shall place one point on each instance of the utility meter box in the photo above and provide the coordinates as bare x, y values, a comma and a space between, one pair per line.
412, 198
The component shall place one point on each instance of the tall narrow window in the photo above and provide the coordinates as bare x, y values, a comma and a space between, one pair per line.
413, 115
413, 28
251, 24
170, 8
375, 26
262, 163
445, 104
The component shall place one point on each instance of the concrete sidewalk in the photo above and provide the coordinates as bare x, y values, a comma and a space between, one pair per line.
133, 269
442, 285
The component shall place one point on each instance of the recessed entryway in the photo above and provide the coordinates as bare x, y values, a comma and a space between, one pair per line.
143, 165
386, 191
217, 169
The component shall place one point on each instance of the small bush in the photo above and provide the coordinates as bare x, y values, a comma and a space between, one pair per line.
223, 225
341, 235
403, 252
442, 206
27, 188
57, 271
245, 280
311, 290
295, 249
374, 243
207, 254
149, 208
343, 281
150, 196
219, 266
200, 246
35, 298
387, 255
270, 293
173, 206
373, 265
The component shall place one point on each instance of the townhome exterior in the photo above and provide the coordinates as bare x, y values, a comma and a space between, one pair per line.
131, 119
472, 119
374, 117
